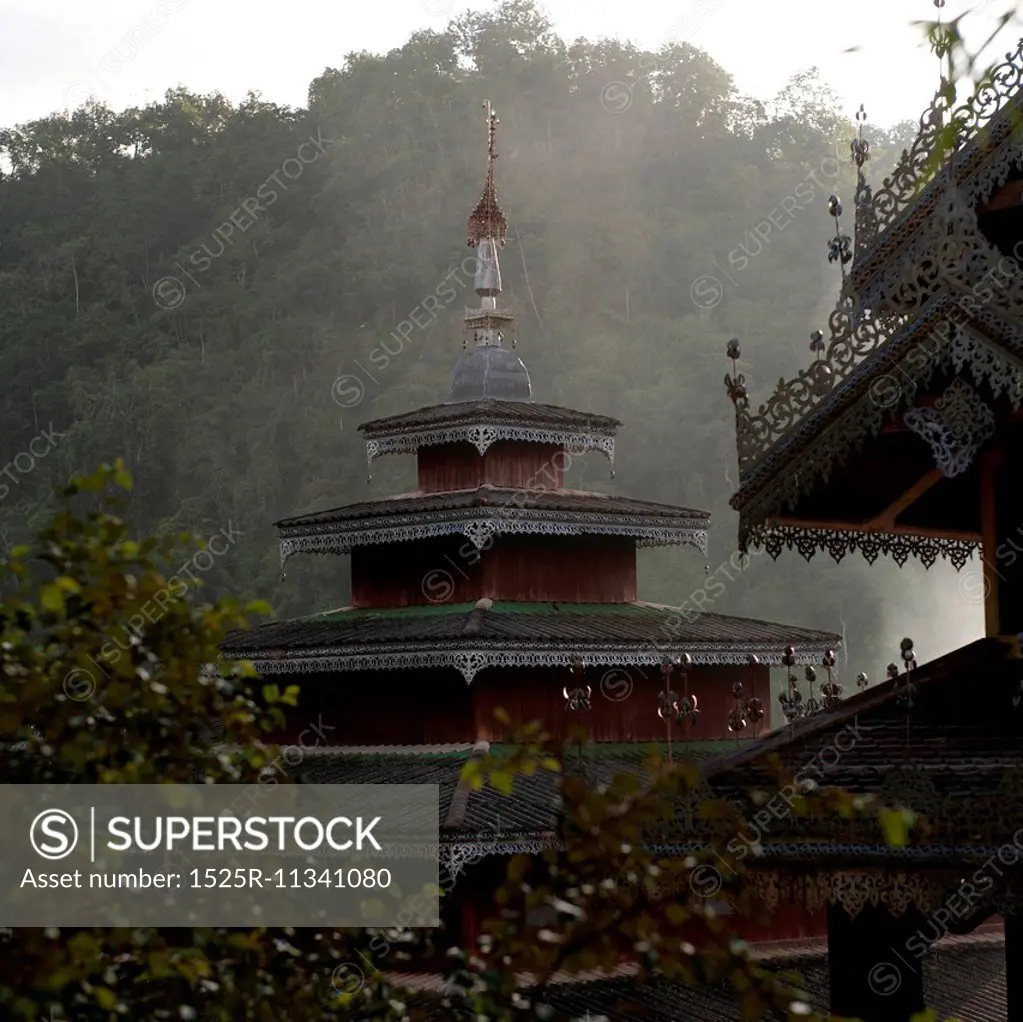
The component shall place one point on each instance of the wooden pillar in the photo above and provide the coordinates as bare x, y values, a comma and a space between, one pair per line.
1014, 967
1002, 533
874, 977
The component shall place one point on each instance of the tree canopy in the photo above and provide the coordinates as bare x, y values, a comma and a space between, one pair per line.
181, 285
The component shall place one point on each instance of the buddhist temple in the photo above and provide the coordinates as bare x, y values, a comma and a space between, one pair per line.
493, 585
902, 438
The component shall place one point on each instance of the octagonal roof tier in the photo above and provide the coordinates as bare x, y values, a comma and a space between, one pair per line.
485, 421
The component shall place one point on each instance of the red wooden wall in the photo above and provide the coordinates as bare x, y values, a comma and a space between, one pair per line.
449, 569
436, 706
624, 702
512, 463
424, 707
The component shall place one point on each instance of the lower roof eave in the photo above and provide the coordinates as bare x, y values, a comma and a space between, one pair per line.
840, 539
469, 658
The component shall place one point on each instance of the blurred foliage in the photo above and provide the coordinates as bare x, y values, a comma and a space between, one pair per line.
103, 649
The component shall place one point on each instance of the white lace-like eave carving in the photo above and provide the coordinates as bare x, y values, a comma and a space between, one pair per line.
968, 350
484, 435
470, 659
480, 525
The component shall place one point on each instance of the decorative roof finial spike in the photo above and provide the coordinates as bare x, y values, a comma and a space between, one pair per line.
488, 369
487, 220
865, 220
840, 246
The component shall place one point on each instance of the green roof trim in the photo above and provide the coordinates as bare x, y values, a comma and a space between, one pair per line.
402, 757
595, 750
625, 750
503, 607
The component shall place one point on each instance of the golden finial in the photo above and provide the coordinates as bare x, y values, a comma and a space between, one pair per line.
487, 219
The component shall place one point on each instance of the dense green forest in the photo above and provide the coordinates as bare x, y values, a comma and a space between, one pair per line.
182, 285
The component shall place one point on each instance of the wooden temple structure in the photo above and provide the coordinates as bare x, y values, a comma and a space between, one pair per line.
493, 585
904, 438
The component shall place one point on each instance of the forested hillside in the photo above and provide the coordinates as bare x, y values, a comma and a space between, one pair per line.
183, 285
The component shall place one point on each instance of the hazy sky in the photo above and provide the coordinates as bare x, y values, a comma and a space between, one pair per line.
55, 53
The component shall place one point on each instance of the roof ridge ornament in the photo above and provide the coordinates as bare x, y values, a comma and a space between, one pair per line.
748, 710
684, 712
905, 692
911, 173
840, 246
792, 699
864, 219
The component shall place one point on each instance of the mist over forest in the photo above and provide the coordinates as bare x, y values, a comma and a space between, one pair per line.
214, 293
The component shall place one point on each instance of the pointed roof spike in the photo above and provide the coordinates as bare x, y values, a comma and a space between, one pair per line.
487, 219
488, 369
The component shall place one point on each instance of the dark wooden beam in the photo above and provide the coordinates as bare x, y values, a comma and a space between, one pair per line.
990, 464
885, 521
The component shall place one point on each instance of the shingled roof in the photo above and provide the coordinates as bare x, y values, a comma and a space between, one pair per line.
961, 728
509, 621
423, 506
955, 756
964, 978
530, 810
470, 638
518, 413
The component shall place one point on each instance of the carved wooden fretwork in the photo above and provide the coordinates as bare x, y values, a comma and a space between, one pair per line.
871, 545
455, 857
470, 658
479, 525
911, 360
891, 212
955, 427
484, 435
927, 291
949, 276
852, 890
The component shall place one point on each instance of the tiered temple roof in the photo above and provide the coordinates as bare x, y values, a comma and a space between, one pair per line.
484, 421
510, 633
546, 575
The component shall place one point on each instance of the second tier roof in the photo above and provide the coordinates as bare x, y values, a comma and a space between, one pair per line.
487, 511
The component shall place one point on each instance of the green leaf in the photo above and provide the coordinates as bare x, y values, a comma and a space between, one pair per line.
259, 607
106, 998
122, 477
52, 598
896, 823
271, 693
502, 781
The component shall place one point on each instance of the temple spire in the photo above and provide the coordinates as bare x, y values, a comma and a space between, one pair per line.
489, 369
488, 226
